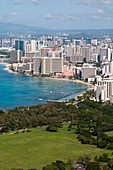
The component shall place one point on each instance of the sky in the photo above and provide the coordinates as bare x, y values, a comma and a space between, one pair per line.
58, 14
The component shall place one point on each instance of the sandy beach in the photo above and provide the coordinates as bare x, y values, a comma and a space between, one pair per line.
7, 67
6, 64
90, 86
52, 78
75, 81
87, 83
56, 78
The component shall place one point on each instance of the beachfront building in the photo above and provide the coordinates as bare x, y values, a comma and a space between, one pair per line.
53, 62
104, 85
23, 67
16, 56
51, 65
105, 66
87, 71
36, 65
104, 89
66, 74
49, 61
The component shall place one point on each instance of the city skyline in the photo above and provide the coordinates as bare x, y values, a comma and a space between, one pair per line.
60, 14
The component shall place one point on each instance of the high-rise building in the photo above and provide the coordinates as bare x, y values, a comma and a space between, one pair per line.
94, 41
88, 41
2, 42
103, 53
51, 65
104, 89
44, 51
86, 51
16, 56
33, 45
11, 42
88, 70
49, 61
19, 45
36, 65
27, 48
22, 45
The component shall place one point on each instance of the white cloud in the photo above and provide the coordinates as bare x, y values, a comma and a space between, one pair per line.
15, 13
100, 11
94, 16
0, 17
97, 9
35, 1
26, 1
18, 1
49, 16
93, 2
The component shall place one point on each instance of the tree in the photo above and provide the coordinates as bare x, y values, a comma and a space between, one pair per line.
102, 143
110, 163
84, 159
103, 158
59, 165
49, 167
110, 146
52, 128
93, 166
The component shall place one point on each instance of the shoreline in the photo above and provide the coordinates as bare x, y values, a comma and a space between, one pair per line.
7, 65
74, 81
90, 86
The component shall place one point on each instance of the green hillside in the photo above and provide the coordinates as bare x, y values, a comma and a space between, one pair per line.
38, 148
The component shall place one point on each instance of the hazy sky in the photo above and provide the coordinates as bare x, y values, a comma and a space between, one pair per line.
59, 14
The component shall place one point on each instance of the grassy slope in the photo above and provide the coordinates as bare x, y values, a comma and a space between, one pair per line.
38, 148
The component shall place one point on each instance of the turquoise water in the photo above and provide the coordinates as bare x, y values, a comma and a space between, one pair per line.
21, 90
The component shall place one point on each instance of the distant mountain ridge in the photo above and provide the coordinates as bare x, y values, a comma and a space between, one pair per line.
9, 27
21, 28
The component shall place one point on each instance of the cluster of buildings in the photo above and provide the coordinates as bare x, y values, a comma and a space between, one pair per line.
54, 56
86, 59
104, 83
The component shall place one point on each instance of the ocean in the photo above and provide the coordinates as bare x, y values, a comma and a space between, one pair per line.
21, 90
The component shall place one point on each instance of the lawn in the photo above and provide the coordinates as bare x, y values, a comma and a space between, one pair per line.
38, 148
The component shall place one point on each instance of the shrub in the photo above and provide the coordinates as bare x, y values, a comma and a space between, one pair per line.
80, 137
68, 129
110, 138
70, 126
101, 143
91, 141
85, 141
110, 146
102, 136
94, 141
58, 125
93, 166
77, 130
86, 133
104, 158
51, 128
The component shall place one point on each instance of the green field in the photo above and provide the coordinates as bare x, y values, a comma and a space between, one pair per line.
38, 148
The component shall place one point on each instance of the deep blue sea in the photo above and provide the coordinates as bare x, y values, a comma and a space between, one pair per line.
21, 90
